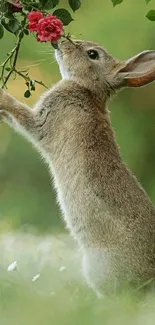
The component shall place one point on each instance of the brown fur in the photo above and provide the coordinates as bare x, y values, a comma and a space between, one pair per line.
104, 206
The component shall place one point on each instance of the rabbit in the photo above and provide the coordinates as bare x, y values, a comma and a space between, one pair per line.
104, 206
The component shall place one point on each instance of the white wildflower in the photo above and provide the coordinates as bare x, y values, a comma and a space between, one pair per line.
62, 268
36, 277
12, 266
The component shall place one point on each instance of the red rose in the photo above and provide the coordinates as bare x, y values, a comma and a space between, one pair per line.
50, 28
17, 7
34, 17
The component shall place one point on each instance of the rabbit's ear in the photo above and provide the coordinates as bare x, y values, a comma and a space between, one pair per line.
137, 71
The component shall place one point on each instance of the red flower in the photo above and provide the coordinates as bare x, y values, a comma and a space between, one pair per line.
17, 7
50, 28
34, 17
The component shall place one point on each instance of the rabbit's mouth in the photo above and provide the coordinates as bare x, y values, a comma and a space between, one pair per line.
65, 48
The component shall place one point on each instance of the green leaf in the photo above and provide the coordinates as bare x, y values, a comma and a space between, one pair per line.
64, 16
31, 6
147, 1
55, 3
74, 4
151, 15
9, 15
13, 25
116, 2
5, 25
55, 46
32, 84
27, 94
48, 4
26, 31
1, 31
7, 9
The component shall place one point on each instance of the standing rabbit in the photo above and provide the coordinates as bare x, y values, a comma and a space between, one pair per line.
106, 209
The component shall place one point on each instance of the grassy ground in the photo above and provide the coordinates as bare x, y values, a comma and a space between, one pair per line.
59, 296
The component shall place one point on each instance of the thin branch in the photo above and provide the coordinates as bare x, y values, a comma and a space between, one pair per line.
14, 64
41, 83
13, 55
28, 79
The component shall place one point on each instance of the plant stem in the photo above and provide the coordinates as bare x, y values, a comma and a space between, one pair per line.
13, 55
28, 79
16, 51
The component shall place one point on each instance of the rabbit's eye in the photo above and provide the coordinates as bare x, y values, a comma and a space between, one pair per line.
93, 54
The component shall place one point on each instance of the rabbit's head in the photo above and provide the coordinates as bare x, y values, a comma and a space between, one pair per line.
92, 67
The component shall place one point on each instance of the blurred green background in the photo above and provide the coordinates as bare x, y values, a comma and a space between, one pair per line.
27, 200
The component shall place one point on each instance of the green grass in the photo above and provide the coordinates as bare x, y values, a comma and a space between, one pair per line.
59, 297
